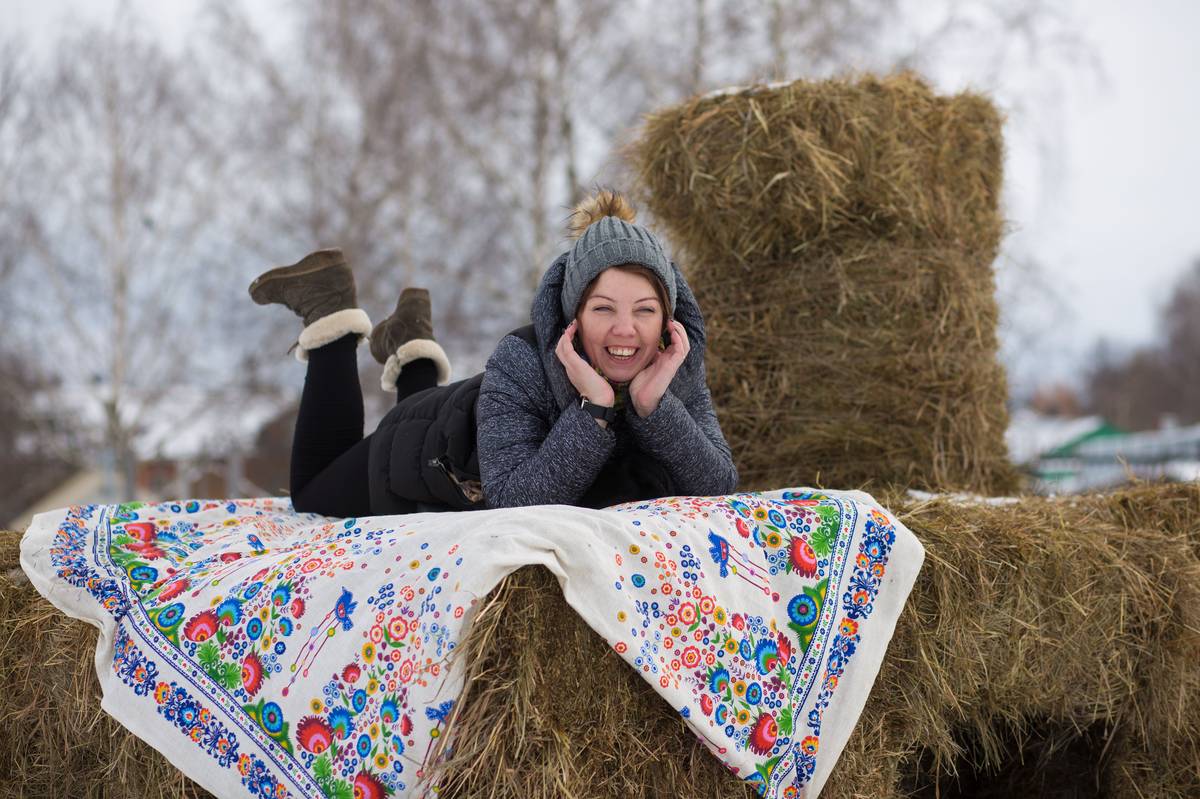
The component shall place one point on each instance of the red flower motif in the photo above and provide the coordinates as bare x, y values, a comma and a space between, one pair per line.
405, 725
173, 589
230, 557
143, 531
368, 786
763, 736
706, 704
314, 734
397, 628
351, 673
297, 608
785, 646
201, 627
802, 557
742, 529
252, 674
146, 550
738, 622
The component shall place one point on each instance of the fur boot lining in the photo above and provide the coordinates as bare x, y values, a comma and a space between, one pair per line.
332, 327
411, 351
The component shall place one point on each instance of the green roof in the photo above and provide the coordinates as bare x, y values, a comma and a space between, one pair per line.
1067, 450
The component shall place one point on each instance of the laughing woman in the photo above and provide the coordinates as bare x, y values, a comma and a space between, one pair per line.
601, 400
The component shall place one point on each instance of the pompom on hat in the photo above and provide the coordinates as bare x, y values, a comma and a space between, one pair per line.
605, 236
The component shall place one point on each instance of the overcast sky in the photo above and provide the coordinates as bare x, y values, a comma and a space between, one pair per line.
1110, 216
1120, 225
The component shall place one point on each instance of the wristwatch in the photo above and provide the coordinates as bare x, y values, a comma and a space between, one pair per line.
606, 413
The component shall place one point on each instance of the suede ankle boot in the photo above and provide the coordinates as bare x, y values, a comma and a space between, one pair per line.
319, 288
407, 336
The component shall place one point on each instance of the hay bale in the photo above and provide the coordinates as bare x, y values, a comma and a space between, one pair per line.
549, 710
59, 741
840, 238
1035, 626
1037, 631
1043, 621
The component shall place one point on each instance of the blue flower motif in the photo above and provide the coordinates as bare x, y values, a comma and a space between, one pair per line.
272, 718
719, 552
753, 694
439, 713
359, 700
281, 595
340, 721
254, 628
143, 574
345, 608
802, 610
169, 617
229, 612
718, 680
766, 654
363, 745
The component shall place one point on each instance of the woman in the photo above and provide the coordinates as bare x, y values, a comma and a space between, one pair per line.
602, 399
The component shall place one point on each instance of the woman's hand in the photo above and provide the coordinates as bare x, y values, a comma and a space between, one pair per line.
648, 386
581, 374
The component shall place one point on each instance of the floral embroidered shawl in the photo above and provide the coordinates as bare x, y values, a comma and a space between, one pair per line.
275, 654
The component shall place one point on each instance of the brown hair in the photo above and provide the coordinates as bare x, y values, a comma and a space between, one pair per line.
660, 290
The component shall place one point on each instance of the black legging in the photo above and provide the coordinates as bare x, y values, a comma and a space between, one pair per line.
329, 452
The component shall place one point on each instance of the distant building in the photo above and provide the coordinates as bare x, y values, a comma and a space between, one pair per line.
192, 445
1074, 455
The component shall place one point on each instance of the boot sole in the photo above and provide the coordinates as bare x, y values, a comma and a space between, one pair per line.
298, 269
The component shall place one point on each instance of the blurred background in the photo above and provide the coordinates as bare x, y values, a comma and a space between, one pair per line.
155, 157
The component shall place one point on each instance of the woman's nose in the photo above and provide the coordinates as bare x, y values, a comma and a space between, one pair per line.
623, 324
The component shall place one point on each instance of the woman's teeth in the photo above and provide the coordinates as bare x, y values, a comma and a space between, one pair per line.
621, 353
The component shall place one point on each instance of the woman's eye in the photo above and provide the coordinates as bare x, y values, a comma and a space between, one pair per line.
646, 310
601, 308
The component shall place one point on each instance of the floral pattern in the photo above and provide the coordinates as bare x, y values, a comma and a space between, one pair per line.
306, 656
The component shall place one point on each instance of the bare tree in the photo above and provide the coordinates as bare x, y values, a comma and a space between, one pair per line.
1139, 390
115, 224
14, 113
443, 143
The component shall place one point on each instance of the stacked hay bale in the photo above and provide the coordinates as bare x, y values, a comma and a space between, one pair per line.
840, 238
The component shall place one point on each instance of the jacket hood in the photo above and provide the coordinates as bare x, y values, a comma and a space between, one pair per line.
549, 324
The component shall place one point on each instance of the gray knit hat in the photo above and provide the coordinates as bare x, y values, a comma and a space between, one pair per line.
610, 240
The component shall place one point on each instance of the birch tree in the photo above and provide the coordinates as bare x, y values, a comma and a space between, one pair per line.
115, 226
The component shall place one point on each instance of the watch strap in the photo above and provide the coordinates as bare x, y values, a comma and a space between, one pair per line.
606, 413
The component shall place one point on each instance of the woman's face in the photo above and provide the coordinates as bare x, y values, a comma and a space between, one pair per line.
620, 324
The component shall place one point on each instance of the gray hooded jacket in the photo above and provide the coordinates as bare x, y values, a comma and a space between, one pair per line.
537, 447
